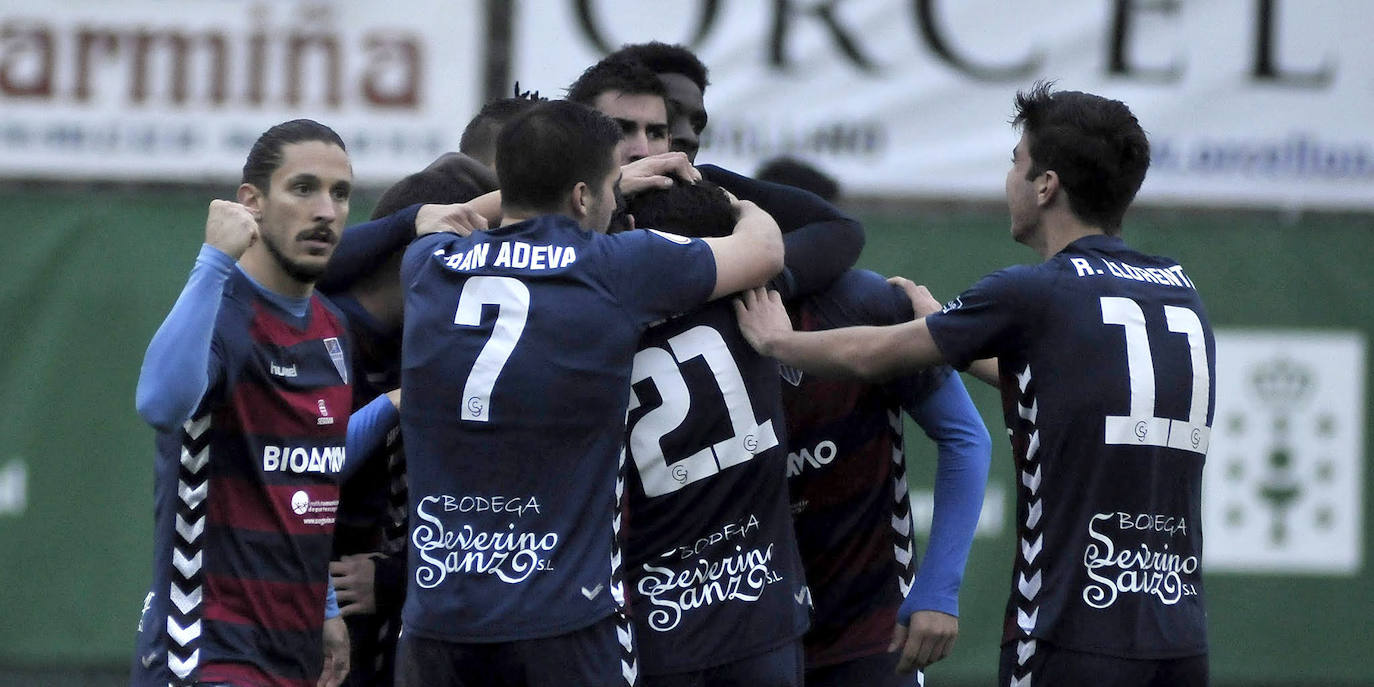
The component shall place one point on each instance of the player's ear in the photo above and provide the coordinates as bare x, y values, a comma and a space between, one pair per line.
1046, 187
580, 201
250, 197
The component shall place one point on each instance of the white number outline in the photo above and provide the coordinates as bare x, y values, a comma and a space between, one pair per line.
1140, 427
663, 367
512, 299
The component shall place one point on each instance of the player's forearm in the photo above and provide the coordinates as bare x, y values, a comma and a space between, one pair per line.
748, 257
949, 417
870, 353
364, 247
986, 371
175, 372
368, 428
821, 240
488, 205
820, 252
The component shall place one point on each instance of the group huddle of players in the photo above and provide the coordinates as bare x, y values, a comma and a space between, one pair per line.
566, 462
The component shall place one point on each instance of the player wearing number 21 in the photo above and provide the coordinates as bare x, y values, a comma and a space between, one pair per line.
518, 346
1106, 367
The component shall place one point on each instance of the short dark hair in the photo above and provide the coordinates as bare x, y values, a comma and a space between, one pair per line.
698, 210
544, 152
265, 156
1094, 144
453, 178
479, 137
662, 58
798, 174
630, 77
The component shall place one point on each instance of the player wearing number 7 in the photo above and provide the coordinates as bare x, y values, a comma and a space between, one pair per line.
516, 355
1107, 365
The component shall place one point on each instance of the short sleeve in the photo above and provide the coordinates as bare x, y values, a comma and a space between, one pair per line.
987, 319
656, 274
418, 251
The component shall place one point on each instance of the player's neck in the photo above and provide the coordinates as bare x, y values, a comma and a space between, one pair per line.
264, 269
1058, 231
514, 215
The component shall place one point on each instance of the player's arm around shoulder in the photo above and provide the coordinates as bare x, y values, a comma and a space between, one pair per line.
751, 255
874, 354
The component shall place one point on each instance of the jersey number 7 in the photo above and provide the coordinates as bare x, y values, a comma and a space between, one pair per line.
513, 300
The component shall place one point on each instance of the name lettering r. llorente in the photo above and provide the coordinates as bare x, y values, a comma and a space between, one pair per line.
1172, 276
514, 255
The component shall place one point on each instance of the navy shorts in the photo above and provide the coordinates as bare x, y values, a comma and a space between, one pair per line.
590, 656
780, 667
1051, 665
878, 670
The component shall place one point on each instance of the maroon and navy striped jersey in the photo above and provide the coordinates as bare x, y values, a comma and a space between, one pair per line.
846, 468
245, 499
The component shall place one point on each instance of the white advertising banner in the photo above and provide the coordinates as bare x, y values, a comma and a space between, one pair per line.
1247, 103
178, 91
1284, 482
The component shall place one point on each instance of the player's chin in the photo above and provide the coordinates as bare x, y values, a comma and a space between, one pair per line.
311, 264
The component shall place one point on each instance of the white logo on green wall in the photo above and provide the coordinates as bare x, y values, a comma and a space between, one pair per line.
1283, 484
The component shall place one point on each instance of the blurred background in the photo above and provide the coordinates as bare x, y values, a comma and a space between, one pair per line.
120, 121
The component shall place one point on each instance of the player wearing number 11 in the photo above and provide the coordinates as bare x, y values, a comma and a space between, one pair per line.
1107, 365
518, 344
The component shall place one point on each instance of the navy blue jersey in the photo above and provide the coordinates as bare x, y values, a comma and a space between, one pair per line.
1108, 377
516, 361
712, 562
847, 473
246, 494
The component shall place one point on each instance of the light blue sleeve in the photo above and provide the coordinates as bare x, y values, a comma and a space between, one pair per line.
177, 368
331, 602
368, 428
948, 416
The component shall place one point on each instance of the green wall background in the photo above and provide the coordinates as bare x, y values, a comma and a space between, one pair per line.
87, 274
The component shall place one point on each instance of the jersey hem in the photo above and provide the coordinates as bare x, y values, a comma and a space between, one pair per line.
490, 638
720, 659
1114, 652
828, 659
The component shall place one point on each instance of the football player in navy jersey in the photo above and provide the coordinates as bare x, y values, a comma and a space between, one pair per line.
369, 571
517, 352
248, 383
715, 581
1107, 369
818, 236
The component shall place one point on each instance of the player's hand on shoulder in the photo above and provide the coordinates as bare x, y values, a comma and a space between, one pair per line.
459, 218
921, 301
230, 227
761, 316
927, 638
657, 171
